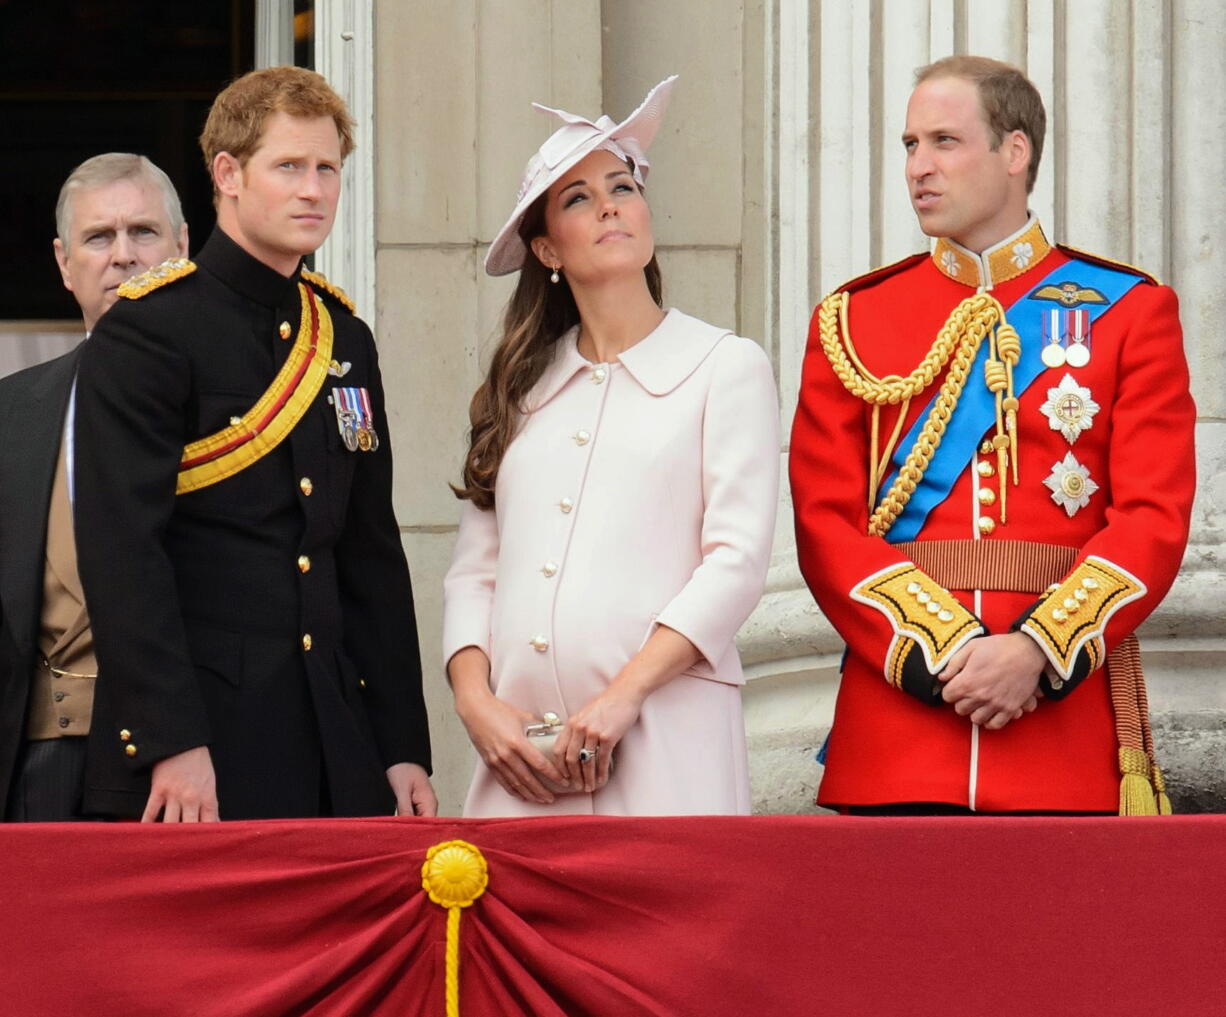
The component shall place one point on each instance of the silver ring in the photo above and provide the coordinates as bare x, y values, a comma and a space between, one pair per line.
586, 755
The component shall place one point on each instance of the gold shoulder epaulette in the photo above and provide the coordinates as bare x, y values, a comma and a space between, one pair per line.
320, 282
1098, 259
883, 272
155, 278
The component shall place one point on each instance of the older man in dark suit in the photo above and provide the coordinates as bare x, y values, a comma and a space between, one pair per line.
117, 215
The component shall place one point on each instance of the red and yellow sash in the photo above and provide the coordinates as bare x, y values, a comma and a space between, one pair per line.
263, 427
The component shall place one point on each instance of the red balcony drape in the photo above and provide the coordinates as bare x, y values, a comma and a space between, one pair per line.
766, 917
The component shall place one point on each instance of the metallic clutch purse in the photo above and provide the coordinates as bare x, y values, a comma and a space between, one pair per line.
543, 735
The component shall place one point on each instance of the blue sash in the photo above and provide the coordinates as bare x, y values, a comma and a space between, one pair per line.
976, 409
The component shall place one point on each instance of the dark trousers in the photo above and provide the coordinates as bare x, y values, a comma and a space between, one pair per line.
48, 782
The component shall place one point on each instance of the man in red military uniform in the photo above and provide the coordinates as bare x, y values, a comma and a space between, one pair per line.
992, 473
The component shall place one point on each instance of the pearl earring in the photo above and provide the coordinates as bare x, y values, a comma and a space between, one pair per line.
554, 278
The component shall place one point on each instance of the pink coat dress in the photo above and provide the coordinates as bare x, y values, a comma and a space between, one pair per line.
637, 493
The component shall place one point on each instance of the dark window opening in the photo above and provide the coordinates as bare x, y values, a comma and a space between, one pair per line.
77, 79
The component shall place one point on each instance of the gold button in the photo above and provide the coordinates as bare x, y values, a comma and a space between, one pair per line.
1071, 605
985, 468
235, 421
932, 607
923, 596
284, 330
1057, 684
304, 563
566, 505
549, 569
986, 448
913, 588
582, 437
945, 615
987, 496
986, 524
125, 735
1059, 615
361, 683
1090, 583
551, 718
306, 640
539, 643
1081, 595
130, 749
305, 486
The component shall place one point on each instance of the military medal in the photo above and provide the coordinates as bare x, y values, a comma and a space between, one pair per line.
1078, 353
346, 417
371, 439
355, 419
1070, 485
1053, 335
1069, 408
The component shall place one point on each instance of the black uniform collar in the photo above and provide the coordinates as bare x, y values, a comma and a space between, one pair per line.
249, 276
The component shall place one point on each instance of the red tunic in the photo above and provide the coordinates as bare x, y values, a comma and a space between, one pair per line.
888, 746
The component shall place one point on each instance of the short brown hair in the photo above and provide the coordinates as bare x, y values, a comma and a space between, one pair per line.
236, 118
1009, 100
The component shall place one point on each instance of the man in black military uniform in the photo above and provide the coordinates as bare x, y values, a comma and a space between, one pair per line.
251, 603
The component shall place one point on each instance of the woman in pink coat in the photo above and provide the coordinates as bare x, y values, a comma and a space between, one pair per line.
621, 486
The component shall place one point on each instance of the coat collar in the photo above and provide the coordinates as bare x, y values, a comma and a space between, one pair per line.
999, 263
659, 362
249, 276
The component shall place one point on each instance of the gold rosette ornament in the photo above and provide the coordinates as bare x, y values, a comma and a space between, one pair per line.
454, 875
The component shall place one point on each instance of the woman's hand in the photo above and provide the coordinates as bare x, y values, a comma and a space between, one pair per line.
598, 727
496, 729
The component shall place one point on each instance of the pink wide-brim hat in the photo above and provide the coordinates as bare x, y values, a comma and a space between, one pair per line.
576, 138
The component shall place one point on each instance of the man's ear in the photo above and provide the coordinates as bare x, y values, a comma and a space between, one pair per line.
227, 174
61, 259
1018, 147
545, 253
182, 244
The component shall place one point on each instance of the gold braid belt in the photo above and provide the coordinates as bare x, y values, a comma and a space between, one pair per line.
956, 345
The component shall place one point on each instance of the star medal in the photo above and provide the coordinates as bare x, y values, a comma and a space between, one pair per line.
1070, 485
1078, 353
1053, 335
1069, 408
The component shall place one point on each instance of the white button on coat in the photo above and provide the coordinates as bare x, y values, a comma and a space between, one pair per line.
674, 505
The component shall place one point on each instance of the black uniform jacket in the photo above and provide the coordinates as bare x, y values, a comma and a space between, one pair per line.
202, 603
32, 406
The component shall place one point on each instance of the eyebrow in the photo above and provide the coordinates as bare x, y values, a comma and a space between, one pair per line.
109, 227
583, 183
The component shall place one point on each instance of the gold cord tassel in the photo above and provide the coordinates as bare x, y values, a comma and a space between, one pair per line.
1136, 794
1164, 803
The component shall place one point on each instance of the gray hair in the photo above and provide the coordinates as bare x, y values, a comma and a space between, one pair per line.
110, 168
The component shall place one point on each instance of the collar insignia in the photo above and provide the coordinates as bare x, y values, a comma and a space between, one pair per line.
1000, 263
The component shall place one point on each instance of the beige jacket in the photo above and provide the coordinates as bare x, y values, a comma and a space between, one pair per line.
637, 493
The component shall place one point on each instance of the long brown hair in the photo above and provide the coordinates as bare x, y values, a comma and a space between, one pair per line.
538, 314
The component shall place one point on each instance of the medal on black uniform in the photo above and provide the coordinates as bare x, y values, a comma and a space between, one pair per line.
355, 419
